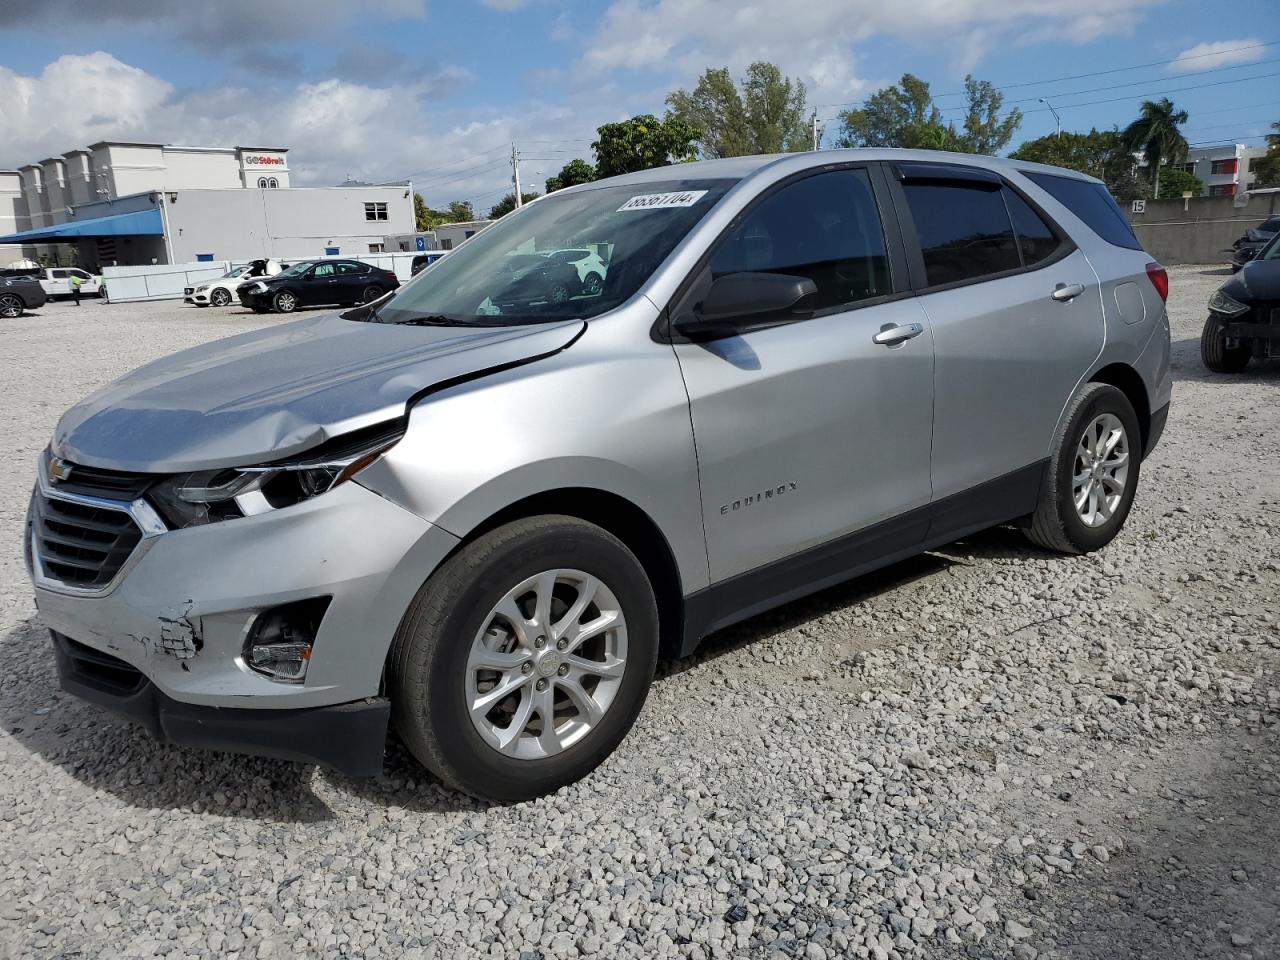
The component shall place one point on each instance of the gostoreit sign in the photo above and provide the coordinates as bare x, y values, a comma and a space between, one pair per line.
259, 160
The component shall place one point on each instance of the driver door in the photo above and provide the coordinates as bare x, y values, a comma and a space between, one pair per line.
812, 438
319, 288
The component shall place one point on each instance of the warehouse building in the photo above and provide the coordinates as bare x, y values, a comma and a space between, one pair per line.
140, 203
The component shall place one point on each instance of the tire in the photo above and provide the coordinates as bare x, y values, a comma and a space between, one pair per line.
1057, 523
11, 305
1215, 353
558, 293
371, 293
219, 297
592, 285
432, 678
284, 302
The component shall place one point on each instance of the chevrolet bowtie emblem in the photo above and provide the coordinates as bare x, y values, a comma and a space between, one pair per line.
59, 470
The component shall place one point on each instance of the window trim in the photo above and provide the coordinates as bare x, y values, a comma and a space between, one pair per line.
911, 238
663, 331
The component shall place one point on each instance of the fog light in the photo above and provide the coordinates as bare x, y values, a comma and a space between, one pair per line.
279, 644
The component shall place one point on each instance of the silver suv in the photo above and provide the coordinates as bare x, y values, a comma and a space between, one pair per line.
480, 509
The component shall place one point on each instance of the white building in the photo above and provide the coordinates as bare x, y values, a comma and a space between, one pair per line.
444, 237
139, 203
1223, 169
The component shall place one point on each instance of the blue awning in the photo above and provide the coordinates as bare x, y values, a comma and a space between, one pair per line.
141, 223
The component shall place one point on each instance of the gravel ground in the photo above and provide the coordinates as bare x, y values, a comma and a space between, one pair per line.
984, 752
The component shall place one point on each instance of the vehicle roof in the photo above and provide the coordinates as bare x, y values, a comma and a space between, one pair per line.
741, 168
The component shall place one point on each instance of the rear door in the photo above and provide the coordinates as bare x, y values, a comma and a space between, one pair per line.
352, 278
1017, 321
809, 433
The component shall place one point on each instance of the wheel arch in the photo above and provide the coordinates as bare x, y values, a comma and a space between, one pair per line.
1129, 382
626, 521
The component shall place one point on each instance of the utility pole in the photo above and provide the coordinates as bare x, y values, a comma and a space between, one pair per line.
515, 172
815, 130
1056, 118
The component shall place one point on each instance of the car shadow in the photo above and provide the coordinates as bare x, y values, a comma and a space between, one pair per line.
1216, 272
109, 754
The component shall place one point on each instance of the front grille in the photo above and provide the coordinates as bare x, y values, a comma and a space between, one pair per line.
81, 545
111, 484
107, 673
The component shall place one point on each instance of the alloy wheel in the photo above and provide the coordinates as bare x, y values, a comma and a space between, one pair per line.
559, 293
10, 306
592, 286
1101, 470
285, 302
371, 293
219, 297
546, 664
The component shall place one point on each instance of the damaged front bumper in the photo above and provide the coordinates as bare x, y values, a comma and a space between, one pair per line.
182, 608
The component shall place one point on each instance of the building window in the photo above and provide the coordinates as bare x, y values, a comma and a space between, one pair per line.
446, 244
1225, 166
1189, 167
262, 183
1222, 190
375, 248
375, 211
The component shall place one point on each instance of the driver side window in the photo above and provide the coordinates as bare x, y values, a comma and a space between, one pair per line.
825, 227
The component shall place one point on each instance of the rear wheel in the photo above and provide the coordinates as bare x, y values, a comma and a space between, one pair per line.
285, 302
219, 297
592, 285
371, 293
1215, 353
524, 660
1092, 474
10, 305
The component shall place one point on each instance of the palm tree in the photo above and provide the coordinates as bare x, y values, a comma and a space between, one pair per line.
1156, 136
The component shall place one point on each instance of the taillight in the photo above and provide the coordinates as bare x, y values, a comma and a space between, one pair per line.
1159, 277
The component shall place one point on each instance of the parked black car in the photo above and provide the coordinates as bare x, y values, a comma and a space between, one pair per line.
18, 294
1244, 315
1247, 247
313, 283
533, 278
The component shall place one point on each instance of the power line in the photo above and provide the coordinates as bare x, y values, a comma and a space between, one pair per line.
1153, 93
1083, 76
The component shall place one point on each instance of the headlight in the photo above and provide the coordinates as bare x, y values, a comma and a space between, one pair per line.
208, 496
1227, 306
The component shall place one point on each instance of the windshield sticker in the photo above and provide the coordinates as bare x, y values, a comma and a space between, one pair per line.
663, 201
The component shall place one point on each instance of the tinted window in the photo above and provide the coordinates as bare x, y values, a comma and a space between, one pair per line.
347, 266
1092, 204
825, 227
964, 231
1036, 240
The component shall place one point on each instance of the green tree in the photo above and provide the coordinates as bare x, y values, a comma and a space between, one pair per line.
1266, 170
643, 142
906, 116
764, 113
508, 203
1155, 135
571, 174
1174, 182
460, 211
1099, 153
421, 214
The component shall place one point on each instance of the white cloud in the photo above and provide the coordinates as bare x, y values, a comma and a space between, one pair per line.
1219, 53
334, 128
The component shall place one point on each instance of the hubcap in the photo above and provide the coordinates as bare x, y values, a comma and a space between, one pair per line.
286, 302
546, 664
1101, 470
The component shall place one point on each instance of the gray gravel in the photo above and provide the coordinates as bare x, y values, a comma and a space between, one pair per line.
987, 751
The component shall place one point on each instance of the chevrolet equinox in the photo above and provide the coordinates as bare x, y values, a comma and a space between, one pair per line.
478, 511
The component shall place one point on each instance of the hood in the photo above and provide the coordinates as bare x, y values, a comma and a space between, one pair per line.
1257, 280
277, 392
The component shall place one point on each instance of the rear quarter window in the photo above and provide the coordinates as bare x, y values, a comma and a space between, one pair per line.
1091, 203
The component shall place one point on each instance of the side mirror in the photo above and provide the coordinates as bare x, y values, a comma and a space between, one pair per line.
742, 299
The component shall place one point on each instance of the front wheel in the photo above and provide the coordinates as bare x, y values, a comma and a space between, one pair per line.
1092, 474
1215, 353
284, 302
523, 661
220, 297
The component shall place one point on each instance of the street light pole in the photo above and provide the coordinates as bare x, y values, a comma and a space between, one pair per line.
1056, 118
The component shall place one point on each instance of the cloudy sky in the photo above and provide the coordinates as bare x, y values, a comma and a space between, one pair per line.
435, 92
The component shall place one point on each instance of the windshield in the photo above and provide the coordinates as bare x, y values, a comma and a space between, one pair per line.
298, 269
515, 271
1271, 251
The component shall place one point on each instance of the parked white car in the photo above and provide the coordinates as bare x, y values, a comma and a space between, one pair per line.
57, 282
590, 266
222, 291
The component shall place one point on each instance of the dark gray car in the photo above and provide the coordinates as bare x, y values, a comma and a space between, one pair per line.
18, 294
483, 517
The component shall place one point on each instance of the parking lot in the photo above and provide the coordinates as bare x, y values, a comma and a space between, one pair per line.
987, 751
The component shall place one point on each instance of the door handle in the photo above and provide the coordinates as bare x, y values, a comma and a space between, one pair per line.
1063, 292
894, 334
